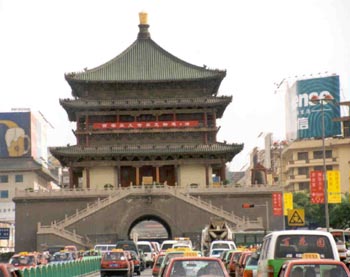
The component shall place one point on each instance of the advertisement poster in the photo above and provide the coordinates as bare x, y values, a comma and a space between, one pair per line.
310, 115
15, 139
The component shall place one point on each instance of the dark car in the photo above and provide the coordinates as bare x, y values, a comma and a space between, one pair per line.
128, 245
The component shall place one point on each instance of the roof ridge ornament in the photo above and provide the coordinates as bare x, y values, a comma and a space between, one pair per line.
143, 33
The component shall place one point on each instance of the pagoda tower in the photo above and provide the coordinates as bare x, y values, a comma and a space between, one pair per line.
146, 117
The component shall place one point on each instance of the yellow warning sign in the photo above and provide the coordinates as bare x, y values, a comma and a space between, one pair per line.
296, 217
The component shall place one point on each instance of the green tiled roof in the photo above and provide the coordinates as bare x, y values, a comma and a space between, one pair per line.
74, 105
146, 149
145, 60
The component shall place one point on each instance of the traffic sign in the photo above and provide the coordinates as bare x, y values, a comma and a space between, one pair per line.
296, 217
4, 233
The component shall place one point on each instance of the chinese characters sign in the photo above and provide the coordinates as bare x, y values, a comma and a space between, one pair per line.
316, 187
277, 204
334, 194
146, 124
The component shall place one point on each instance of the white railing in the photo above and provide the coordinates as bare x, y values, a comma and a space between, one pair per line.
63, 233
113, 195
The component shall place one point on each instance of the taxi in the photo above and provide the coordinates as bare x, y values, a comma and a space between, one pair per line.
195, 266
24, 260
312, 265
157, 263
172, 253
116, 261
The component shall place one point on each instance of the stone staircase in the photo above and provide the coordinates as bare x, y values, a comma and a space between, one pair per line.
59, 227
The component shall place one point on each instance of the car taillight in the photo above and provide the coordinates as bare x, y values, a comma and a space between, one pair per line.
124, 264
270, 271
248, 273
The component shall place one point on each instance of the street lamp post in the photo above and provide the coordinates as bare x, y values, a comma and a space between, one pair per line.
317, 100
279, 146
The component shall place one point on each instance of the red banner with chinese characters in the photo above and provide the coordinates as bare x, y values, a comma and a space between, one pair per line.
277, 203
316, 187
145, 124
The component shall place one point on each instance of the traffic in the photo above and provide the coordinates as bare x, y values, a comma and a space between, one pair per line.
288, 253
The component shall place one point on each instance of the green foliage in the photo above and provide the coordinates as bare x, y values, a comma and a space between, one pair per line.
339, 214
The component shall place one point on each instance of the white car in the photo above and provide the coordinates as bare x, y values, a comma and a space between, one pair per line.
148, 252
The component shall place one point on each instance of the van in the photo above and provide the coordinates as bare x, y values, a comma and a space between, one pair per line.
280, 246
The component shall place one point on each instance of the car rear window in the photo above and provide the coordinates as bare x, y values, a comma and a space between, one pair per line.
293, 246
144, 247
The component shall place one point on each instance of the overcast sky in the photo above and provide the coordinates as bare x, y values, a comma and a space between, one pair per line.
259, 43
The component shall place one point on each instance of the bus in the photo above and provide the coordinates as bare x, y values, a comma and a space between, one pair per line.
248, 238
342, 239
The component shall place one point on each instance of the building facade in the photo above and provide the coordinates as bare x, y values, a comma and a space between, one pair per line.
23, 163
146, 117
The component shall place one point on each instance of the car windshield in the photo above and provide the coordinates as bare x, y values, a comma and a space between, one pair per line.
144, 247
220, 245
113, 256
22, 260
200, 268
58, 257
310, 269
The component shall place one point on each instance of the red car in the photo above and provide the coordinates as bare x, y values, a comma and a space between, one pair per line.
24, 259
195, 266
116, 262
8, 270
157, 263
314, 267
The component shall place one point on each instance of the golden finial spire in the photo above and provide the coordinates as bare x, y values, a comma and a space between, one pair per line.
143, 18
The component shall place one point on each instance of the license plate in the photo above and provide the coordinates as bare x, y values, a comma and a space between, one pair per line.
114, 265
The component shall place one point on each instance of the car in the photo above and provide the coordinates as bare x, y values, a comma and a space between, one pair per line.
231, 266
167, 244
251, 266
172, 253
62, 257
104, 247
279, 246
8, 270
313, 266
216, 252
148, 252
242, 262
222, 244
127, 245
115, 262
157, 263
195, 266
138, 266
24, 260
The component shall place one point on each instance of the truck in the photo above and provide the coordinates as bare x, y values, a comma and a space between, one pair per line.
217, 229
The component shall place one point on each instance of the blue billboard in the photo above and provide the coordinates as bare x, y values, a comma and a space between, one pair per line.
15, 140
309, 115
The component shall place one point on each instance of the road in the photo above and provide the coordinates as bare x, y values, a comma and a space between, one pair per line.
145, 273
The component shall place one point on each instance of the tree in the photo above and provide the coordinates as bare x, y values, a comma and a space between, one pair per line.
339, 214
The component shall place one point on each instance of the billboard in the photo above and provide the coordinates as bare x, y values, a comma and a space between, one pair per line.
291, 112
15, 140
309, 115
